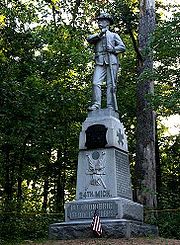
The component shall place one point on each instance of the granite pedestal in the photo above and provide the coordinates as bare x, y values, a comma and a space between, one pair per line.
103, 184
111, 229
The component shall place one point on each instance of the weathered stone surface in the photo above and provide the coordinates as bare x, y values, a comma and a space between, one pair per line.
103, 184
102, 113
111, 229
115, 135
109, 208
103, 173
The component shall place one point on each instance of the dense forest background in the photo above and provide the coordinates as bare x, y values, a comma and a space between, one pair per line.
46, 67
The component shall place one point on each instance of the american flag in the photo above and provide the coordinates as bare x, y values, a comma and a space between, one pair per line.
96, 224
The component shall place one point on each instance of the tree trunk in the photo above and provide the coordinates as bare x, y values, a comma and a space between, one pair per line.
60, 184
46, 181
45, 195
19, 178
158, 167
7, 177
145, 167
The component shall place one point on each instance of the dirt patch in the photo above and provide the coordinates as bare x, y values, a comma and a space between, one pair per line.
101, 241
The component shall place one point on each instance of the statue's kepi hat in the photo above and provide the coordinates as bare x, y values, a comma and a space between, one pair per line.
105, 16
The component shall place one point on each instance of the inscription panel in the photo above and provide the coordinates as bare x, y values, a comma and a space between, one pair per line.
95, 194
123, 175
86, 210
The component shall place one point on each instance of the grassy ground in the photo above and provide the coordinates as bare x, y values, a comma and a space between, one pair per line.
101, 241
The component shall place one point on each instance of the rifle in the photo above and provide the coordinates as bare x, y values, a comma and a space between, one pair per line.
112, 79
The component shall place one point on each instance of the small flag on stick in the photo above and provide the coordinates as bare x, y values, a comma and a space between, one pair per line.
96, 224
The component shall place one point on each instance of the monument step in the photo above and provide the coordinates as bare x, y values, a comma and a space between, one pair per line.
111, 229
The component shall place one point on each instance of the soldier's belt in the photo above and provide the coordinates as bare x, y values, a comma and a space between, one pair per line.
101, 53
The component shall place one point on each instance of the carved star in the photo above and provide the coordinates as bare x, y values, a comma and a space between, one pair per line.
120, 137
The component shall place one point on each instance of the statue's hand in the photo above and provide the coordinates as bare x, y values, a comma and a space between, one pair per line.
111, 49
103, 31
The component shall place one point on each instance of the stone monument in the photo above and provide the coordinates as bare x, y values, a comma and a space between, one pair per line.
103, 177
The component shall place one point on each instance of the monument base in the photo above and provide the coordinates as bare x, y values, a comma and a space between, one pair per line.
103, 184
111, 229
108, 209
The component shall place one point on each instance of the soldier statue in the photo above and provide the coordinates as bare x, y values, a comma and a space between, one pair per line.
107, 46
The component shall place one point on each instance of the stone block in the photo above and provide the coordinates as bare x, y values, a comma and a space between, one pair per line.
103, 173
92, 132
109, 208
111, 229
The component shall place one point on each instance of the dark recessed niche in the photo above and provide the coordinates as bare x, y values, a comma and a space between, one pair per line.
96, 136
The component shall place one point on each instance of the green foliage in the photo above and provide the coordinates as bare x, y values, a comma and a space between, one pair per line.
166, 56
42, 104
16, 228
168, 216
170, 172
168, 223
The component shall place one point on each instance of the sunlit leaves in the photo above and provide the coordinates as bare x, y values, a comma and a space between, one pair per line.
167, 54
43, 86
2, 21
